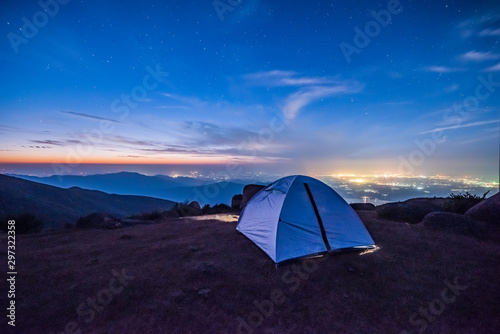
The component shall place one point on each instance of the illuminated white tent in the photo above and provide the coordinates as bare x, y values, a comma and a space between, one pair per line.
298, 216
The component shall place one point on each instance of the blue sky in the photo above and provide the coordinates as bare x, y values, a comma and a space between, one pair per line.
333, 86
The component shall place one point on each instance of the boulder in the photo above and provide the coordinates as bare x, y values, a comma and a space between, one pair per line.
362, 206
486, 211
248, 192
236, 201
195, 205
454, 223
184, 210
411, 211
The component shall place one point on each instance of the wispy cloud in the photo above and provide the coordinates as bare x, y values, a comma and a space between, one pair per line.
6, 128
478, 56
188, 100
295, 102
486, 137
311, 88
49, 142
83, 115
490, 32
442, 69
451, 88
481, 24
460, 126
283, 78
173, 107
494, 68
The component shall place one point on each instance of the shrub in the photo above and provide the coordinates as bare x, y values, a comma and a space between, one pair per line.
460, 203
152, 215
217, 208
99, 220
205, 208
221, 208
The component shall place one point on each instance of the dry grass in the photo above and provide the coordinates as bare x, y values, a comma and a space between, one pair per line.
175, 262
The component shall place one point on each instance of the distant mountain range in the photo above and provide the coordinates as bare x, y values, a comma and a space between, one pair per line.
57, 206
177, 189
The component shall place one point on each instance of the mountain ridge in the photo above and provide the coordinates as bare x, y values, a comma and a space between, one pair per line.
203, 190
57, 206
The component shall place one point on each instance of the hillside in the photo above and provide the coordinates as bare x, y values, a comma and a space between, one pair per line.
58, 206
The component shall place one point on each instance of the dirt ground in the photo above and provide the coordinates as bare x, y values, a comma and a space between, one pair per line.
202, 276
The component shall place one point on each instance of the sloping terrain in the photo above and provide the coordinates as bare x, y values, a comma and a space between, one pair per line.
56, 206
201, 276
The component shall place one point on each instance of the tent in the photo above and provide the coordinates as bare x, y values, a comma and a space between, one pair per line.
299, 216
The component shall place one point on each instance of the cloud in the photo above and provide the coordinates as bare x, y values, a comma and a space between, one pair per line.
279, 78
295, 102
173, 107
6, 128
488, 137
479, 56
132, 156
188, 100
311, 88
481, 24
490, 32
494, 68
48, 142
459, 126
451, 88
79, 114
442, 69
208, 134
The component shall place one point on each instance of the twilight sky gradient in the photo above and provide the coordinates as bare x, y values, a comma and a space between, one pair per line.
326, 86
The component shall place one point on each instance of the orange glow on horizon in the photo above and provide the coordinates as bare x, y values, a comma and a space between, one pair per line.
177, 160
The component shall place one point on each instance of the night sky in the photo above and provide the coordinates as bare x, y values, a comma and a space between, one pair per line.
326, 86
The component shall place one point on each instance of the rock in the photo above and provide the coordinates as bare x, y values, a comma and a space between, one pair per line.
411, 211
92, 262
98, 220
455, 223
207, 269
195, 205
362, 206
236, 201
248, 192
487, 211
176, 293
184, 210
204, 292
